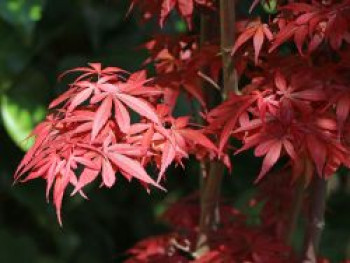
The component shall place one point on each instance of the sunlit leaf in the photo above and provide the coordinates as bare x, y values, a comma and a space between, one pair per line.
23, 107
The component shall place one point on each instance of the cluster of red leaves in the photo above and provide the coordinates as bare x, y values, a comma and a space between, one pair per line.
308, 25
296, 113
311, 24
179, 63
90, 133
189, 220
233, 242
289, 109
162, 8
293, 107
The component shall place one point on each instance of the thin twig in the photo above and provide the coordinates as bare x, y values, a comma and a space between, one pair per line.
209, 80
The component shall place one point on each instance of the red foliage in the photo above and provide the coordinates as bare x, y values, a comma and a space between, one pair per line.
189, 220
179, 63
233, 242
252, 30
91, 133
293, 117
311, 24
292, 108
162, 8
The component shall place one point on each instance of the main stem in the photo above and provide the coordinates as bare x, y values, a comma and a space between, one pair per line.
295, 211
227, 29
315, 221
211, 185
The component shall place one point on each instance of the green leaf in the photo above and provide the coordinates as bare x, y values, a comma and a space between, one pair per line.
23, 107
22, 14
269, 6
180, 26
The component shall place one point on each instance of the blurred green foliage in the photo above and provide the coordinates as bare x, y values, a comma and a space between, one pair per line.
40, 39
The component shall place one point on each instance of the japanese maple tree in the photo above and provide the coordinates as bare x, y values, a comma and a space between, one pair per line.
277, 83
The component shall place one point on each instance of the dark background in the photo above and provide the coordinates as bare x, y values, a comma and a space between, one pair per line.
39, 40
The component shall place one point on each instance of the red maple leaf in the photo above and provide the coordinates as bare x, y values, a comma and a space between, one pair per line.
255, 30
87, 135
162, 8
313, 24
178, 63
92, 134
171, 141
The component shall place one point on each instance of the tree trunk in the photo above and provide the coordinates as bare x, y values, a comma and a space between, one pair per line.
298, 199
315, 221
211, 185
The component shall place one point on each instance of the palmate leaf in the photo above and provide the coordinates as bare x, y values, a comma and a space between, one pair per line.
178, 63
81, 140
94, 69
170, 144
106, 93
89, 135
313, 24
301, 117
258, 32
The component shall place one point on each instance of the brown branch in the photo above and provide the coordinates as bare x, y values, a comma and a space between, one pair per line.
210, 214
212, 96
227, 29
315, 221
211, 186
295, 211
